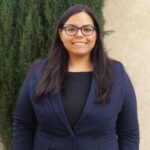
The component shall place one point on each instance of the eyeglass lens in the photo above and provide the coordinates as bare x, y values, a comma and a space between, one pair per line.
72, 30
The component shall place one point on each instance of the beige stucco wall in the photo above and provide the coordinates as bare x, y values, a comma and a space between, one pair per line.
1, 146
130, 43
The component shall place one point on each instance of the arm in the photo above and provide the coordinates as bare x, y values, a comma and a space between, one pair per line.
24, 123
127, 123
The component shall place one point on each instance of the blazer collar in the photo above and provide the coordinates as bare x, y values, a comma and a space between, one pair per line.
59, 109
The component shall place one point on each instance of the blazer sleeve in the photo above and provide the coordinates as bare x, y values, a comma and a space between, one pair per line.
24, 121
127, 123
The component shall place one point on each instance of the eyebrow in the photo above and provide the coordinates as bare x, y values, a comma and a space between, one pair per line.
67, 25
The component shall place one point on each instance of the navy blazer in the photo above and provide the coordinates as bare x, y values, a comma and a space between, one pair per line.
43, 125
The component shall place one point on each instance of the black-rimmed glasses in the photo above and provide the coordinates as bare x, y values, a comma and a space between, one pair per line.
72, 30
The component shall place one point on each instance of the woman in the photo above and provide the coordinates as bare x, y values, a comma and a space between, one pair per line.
76, 98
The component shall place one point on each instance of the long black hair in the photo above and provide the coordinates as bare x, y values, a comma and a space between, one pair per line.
56, 63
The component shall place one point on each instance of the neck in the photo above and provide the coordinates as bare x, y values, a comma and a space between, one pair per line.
80, 64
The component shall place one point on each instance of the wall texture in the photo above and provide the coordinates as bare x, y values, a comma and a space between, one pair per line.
129, 42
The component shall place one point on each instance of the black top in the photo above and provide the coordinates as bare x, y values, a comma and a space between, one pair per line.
75, 93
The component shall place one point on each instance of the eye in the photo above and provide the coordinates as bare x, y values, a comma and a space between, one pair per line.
71, 29
87, 29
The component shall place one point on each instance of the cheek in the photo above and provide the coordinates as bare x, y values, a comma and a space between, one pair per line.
65, 40
92, 41
67, 44
63, 37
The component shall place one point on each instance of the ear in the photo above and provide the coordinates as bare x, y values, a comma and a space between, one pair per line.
60, 33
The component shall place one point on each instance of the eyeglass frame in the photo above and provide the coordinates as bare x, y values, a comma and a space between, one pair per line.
78, 28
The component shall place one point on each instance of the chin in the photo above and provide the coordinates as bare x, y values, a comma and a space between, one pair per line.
80, 54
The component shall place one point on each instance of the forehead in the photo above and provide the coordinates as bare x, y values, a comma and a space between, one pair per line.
79, 19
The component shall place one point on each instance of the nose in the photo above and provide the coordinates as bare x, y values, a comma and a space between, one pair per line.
79, 33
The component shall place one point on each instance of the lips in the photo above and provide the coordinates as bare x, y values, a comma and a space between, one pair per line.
79, 43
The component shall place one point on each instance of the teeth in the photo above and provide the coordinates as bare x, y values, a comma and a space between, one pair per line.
79, 44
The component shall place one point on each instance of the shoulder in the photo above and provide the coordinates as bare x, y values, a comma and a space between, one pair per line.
39, 64
118, 73
116, 66
37, 68
117, 69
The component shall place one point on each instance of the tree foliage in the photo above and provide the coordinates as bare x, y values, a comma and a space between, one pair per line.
26, 31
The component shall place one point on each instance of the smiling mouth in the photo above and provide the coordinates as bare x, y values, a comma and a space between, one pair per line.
79, 43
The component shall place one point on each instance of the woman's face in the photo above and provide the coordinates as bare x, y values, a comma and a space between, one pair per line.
79, 44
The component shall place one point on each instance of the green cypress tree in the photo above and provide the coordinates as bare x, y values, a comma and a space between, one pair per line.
6, 21
11, 26
26, 46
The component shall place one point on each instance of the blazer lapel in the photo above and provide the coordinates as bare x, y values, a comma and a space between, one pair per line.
89, 103
59, 109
